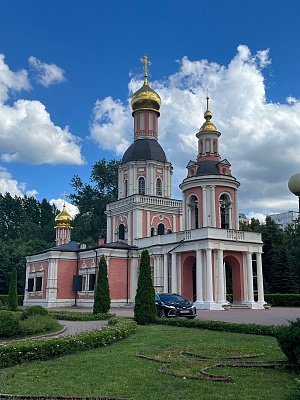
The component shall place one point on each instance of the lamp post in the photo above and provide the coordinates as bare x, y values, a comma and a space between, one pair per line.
294, 186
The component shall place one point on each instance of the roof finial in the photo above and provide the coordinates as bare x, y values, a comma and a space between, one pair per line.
207, 100
65, 195
146, 63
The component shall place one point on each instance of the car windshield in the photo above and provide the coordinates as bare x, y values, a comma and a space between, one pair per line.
168, 297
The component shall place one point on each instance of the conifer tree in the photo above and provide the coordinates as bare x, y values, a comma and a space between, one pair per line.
102, 295
12, 299
145, 308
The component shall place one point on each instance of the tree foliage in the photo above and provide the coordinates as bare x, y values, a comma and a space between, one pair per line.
26, 226
91, 200
145, 308
102, 295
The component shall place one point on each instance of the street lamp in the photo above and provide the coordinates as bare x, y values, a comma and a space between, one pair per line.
294, 186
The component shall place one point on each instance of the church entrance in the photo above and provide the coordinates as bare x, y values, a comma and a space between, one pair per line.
189, 278
234, 278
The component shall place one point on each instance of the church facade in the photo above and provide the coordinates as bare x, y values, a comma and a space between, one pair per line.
195, 244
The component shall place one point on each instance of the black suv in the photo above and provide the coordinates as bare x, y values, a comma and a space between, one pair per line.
174, 305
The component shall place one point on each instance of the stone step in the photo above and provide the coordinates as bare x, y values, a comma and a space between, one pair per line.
239, 306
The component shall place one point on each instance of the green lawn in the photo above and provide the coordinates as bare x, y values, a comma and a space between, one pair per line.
117, 371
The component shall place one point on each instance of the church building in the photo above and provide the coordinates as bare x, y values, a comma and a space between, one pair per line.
195, 245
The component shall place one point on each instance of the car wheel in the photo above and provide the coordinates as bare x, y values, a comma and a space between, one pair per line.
161, 314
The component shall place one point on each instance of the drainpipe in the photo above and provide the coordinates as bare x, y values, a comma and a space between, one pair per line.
127, 277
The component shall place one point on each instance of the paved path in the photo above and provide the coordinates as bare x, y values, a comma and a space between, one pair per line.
273, 316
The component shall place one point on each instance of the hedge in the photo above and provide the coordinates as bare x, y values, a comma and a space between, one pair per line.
4, 301
252, 329
283, 300
79, 316
45, 349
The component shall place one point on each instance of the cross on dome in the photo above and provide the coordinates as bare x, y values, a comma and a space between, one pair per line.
146, 63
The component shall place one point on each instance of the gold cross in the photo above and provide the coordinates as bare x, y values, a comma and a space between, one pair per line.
146, 63
207, 99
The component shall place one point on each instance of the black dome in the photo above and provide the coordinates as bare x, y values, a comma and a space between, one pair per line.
144, 149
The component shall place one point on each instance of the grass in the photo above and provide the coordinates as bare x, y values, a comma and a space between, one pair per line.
117, 371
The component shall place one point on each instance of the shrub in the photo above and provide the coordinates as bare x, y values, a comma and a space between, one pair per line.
283, 300
12, 300
102, 296
79, 316
3, 299
38, 324
9, 324
33, 310
252, 329
145, 308
289, 340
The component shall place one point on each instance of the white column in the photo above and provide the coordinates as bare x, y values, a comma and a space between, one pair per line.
129, 234
250, 277
174, 227
260, 283
199, 277
204, 206
114, 230
148, 232
209, 276
221, 282
213, 206
237, 225
174, 274
231, 225
166, 273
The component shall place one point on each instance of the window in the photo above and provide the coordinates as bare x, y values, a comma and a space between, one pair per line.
121, 232
161, 229
224, 211
158, 187
92, 281
83, 282
152, 231
126, 188
194, 216
39, 283
142, 185
30, 284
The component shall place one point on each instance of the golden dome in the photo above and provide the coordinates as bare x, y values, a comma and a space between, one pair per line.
63, 219
145, 97
208, 125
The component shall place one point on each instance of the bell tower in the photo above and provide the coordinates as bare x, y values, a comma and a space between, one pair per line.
144, 207
209, 191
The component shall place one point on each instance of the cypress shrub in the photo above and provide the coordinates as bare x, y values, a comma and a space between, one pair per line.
102, 295
12, 300
145, 308
288, 338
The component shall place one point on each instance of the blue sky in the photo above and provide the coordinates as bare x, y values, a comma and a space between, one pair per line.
68, 70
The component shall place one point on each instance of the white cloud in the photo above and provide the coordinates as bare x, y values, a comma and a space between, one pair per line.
47, 74
10, 185
27, 132
11, 81
260, 139
71, 209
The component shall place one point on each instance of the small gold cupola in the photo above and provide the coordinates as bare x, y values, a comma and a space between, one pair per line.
145, 98
208, 125
63, 219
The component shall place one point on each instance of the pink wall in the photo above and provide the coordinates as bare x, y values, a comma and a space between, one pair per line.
118, 277
66, 270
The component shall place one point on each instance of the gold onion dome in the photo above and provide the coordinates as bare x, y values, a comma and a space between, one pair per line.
208, 125
63, 219
145, 97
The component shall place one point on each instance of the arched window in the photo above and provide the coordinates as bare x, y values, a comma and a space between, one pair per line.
161, 229
142, 185
152, 231
158, 187
194, 215
121, 232
224, 202
125, 188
